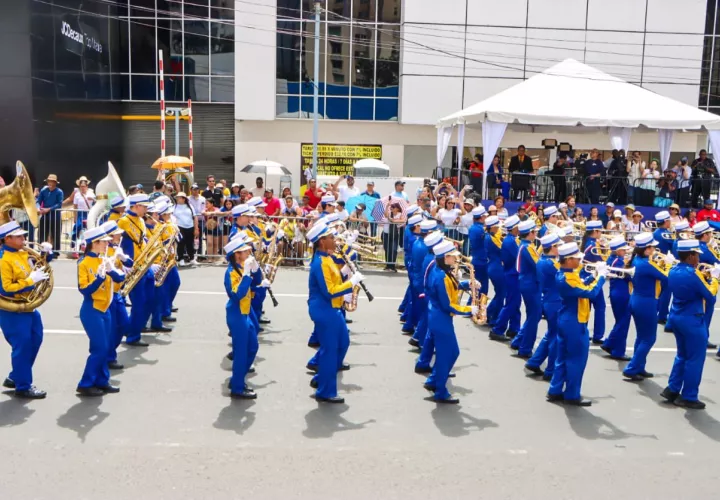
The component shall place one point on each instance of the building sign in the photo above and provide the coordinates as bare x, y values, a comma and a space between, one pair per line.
337, 159
80, 39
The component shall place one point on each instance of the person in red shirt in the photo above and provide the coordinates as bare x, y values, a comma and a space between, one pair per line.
708, 212
530, 206
313, 193
273, 204
476, 173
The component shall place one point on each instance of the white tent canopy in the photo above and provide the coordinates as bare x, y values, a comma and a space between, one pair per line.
574, 94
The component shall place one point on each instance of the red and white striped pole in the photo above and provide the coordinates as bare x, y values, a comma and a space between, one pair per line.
162, 103
190, 133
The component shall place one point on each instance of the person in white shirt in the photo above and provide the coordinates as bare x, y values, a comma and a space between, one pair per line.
635, 225
259, 189
341, 211
83, 200
466, 221
629, 211
344, 193
187, 221
197, 202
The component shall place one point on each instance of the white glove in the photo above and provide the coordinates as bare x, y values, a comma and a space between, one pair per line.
265, 284
281, 234
352, 237
46, 247
155, 268
101, 272
250, 265
669, 258
345, 270
121, 272
38, 275
602, 273
601, 268
475, 310
356, 278
715, 272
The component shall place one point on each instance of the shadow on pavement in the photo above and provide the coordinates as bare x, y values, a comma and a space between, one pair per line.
83, 417
326, 420
451, 421
14, 411
589, 426
236, 416
133, 356
704, 422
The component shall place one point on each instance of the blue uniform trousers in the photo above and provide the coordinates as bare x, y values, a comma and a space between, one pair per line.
420, 307
598, 304
509, 317
525, 339
664, 304
158, 311
24, 333
709, 309
497, 276
573, 346
173, 285
644, 312
616, 342
334, 342
254, 318
404, 303
447, 351
98, 327
120, 322
547, 348
240, 332
142, 300
412, 313
691, 338
481, 274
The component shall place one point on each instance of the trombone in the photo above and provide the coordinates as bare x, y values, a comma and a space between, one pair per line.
613, 272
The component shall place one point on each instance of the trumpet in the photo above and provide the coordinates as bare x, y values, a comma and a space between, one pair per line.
706, 269
670, 236
613, 272
659, 260
651, 225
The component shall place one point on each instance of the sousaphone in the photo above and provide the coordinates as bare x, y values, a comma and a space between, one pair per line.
105, 190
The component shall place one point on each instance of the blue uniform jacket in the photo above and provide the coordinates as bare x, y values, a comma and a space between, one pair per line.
408, 242
237, 288
547, 269
619, 287
690, 291
664, 246
576, 296
708, 256
590, 256
478, 253
416, 269
493, 248
527, 259
509, 253
648, 279
444, 295
325, 285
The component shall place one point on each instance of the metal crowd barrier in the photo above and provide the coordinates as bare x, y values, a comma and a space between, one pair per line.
63, 228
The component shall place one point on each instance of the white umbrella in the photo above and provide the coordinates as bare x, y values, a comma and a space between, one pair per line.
370, 167
266, 167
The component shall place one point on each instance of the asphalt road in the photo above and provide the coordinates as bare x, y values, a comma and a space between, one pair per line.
173, 433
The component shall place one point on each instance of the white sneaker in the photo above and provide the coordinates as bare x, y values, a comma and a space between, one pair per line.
194, 262
182, 263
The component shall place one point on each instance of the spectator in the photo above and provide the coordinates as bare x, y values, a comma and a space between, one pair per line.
637, 167
370, 190
290, 207
522, 213
683, 174
197, 202
618, 173
158, 190
502, 212
50, 202
635, 225
305, 207
244, 195
313, 193
466, 221
667, 189
134, 189
213, 229
520, 166
344, 193
563, 212
558, 177
225, 187
259, 189
400, 190
497, 179
449, 216
83, 200
691, 216
492, 210
595, 170
629, 210
703, 171
213, 192
227, 221
615, 223
608, 215
578, 215
476, 173
645, 194
358, 220
594, 214
708, 211
186, 218
287, 193
392, 224
570, 202
675, 216
235, 192
273, 204
530, 205
342, 213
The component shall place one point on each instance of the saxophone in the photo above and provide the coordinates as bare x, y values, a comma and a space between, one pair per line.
272, 259
168, 256
150, 252
477, 299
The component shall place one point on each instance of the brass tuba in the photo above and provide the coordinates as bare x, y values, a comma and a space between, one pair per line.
183, 177
107, 189
142, 262
20, 195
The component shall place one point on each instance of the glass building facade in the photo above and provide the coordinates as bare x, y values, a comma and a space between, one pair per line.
710, 75
359, 59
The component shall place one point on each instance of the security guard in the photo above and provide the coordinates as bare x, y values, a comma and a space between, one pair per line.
692, 292
408, 240
493, 247
96, 274
547, 269
529, 287
648, 282
422, 365
134, 240
620, 290
325, 299
710, 255
509, 316
595, 252
478, 253
665, 236
238, 278
573, 342
417, 271
443, 292
22, 330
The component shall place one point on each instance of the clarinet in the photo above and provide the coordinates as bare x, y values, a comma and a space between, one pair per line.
353, 269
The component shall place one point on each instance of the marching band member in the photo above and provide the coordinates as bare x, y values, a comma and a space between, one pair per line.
117, 209
509, 316
573, 338
327, 205
493, 247
425, 339
692, 294
529, 287
242, 220
172, 281
408, 241
443, 290
238, 278
665, 236
419, 252
710, 255
547, 269
22, 330
476, 236
157, 296
551, 221
326, 291
96, 273
682, 231
133, 225
590, 242
647, 282
620, 289
120, 321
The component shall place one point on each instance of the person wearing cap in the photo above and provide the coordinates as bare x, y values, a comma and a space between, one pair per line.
423, 333
118, 205
22, 330
133, 241
50, 202
238, 279
421, 256
409, 237
344, 193
563, 214
508, 318
443, 292
400, 190
156, 295
709, 213
96, 275
547, 269
620, 289
327, 204
711, 256
478, 252
648, 281
594, 253
608, 215
326, 291
573, 338
684, 176
615, 224
168, 291
272, 203
187, 220
529, 287
550, 225
496, 273
692, 294
83, 199
665, 236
